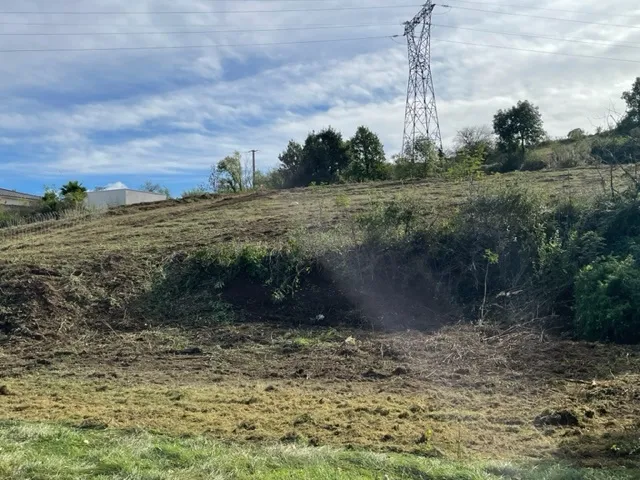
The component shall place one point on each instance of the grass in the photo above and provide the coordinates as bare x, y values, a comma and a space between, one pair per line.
224, 411
43, 451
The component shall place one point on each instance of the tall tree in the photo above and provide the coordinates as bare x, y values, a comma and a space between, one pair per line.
632, 117
291, 161
228, 174
520, 126
324, 157
367, 156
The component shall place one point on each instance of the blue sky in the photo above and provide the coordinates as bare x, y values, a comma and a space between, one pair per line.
103, 117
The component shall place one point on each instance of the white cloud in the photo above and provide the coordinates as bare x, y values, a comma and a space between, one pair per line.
115, 186
177, 111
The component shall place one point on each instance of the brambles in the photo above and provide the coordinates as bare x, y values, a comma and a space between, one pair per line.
608, 300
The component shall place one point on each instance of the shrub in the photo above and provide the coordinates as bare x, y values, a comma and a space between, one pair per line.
613, 150
608, 300
533, 162
568, 156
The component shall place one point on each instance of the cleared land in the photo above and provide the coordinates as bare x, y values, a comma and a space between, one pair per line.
462, 393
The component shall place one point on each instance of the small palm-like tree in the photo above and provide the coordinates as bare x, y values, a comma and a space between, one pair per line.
74, 188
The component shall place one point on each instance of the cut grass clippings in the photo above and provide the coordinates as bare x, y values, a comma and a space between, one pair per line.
45, 451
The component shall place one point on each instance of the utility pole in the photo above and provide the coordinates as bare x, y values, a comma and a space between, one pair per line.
253, 163
421, 117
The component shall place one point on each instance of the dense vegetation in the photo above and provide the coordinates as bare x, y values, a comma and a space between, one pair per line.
506, 254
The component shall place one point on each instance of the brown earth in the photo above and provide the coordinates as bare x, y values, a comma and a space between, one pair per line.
460, 392
71, 351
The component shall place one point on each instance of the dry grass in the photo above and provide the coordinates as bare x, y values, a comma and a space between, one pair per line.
462, 392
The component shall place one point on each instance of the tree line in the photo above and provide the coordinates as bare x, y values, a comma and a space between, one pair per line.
327, 157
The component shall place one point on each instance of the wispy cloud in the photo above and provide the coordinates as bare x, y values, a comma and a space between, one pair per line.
161, 112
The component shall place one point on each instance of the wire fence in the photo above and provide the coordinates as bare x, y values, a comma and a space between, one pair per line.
19, 227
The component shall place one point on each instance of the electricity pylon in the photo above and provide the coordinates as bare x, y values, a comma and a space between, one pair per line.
421, 116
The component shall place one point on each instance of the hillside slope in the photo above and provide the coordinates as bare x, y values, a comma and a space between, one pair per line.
78, 349
91, 272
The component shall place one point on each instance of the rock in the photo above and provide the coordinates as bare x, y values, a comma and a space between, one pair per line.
560, 418
4, 390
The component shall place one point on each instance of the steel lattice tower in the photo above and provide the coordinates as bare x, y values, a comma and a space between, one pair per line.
421, 115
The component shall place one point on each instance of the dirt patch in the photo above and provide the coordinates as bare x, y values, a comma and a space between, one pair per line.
460, 390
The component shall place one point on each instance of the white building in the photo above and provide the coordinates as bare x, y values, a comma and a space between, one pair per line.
17, 200
120, 197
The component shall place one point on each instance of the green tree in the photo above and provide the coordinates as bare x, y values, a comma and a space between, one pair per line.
290, 164
632, 117
50, 199
324, 157
151, 187
367, 159
228, 175
519, 127
576, 134
73, 193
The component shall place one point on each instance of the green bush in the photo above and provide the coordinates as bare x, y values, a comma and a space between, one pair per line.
616, 150
608, 300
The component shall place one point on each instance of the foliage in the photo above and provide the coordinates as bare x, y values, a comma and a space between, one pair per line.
533, 162
325, 157
228, 175
195, 192
573, 155
70, 195
473, 140
467, 162
366, 155
576, 134
418, 161
518, 127
291, 163
210, 271
73, 193
632, 117
608, 300
151, 187
616, 149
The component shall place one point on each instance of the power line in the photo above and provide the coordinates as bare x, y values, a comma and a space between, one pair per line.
528, 35
304, 27
538, 51
179, 47
330, 27
571, 20
527, 7
206, 12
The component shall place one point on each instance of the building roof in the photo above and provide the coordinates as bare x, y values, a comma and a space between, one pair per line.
12, 193
126, 190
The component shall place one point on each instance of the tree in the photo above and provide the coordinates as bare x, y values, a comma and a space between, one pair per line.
324, 157
367, 156
576, 134
471, 139
151, 187
228, 175
518, 127
632, 117
50, 199
73, 193
291, 162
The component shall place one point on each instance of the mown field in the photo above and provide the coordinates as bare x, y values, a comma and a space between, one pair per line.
91, 389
